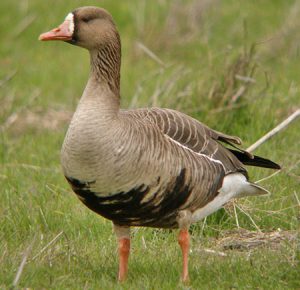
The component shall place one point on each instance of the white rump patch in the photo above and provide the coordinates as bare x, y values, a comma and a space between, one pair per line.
70, 19
234, 185
237, 183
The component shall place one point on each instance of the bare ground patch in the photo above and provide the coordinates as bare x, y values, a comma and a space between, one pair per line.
243, 239
37, 119
242, 242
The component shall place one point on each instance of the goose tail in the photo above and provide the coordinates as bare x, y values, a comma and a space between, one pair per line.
254, 160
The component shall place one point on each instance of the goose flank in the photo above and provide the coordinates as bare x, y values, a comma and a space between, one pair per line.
149, 167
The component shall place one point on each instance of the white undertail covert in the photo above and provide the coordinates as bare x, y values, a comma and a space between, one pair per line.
234, 185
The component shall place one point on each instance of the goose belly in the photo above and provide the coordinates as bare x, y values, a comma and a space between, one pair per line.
142, 205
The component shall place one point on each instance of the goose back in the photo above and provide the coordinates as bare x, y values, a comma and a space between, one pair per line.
194, 135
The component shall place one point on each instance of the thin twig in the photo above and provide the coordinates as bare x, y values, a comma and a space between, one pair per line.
274, 131
268, 177
150, 53
24, 24
23, 263
13, 117
86, 285
144, 242
4, 250
297, 198
203, 226
140, 86
245, 79
44, 218
69, 249
210, 251
238, 94
47, 246
155, 96
236, 217
249, 216
8, 77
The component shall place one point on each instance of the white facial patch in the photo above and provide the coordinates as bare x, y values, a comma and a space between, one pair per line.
70, 19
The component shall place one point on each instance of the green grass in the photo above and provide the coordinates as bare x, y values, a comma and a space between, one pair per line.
204, 46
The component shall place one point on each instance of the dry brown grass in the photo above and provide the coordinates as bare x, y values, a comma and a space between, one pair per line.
191, 16
287, 37
237, 77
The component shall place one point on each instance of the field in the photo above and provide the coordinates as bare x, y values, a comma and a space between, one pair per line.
233, 65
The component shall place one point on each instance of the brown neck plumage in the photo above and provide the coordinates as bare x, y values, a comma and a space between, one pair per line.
106, 64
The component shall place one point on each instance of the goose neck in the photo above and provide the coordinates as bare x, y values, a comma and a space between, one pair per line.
106, 65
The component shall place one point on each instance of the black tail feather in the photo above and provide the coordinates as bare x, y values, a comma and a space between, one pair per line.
255, 161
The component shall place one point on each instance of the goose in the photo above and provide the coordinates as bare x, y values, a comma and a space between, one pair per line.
146, 167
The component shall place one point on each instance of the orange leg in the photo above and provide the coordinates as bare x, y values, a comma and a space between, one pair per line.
184, 242
124, 249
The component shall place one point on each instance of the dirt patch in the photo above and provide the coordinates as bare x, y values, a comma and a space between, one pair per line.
245, 240
38, 120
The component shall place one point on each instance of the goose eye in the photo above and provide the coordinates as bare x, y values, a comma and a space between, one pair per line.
85, 19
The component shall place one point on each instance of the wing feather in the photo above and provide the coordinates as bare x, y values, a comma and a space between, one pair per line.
194, 135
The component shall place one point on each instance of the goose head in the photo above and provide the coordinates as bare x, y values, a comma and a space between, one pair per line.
93, 28
89, 27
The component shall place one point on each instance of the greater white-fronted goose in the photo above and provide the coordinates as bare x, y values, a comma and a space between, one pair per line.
146, 167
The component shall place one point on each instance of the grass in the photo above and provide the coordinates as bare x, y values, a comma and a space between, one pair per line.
203, 45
